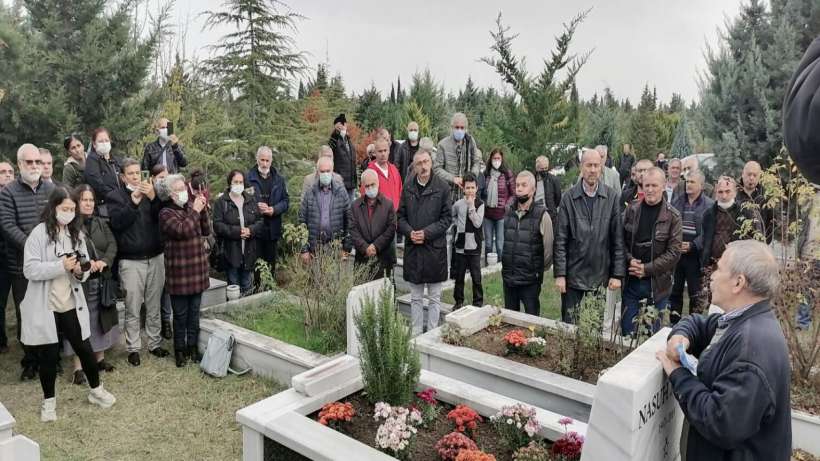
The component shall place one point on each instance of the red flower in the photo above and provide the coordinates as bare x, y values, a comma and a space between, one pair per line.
428, 395
464, 418
516, 338
336, 412
568, 446
473, 455
452, 444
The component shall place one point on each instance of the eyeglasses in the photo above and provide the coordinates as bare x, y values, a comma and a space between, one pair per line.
33, 162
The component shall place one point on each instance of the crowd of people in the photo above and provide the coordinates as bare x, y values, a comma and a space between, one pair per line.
139, 229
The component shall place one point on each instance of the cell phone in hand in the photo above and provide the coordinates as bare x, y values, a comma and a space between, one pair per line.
170, 128
145, 175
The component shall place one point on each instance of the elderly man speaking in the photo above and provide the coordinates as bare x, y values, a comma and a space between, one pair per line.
737, 405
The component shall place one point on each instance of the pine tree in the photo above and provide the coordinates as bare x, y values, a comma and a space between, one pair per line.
643, 134
257, 60
392, 94
370, 109
399, 91
682, 145
429, 96
301, 93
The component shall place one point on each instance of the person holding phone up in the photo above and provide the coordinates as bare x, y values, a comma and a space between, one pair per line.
165, 150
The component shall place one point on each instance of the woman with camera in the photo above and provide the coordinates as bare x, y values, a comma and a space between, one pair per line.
102, 247
55, 264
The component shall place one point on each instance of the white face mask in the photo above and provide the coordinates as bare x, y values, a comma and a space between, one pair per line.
343, 133
412, 135
103, 148
65, 217
496, 164
726, 205
163, 134
182, 198
237, 189
130, 187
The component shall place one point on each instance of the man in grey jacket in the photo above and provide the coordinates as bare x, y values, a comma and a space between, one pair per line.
21, 204
457, 155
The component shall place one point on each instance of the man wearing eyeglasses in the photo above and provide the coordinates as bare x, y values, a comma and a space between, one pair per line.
21, 203
6, 176
723, 220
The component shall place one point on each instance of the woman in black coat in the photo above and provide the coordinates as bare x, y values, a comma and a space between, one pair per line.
102, 169
237, 232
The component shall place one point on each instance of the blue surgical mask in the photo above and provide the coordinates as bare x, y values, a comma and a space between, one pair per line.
458, 134
325, 178
371, 192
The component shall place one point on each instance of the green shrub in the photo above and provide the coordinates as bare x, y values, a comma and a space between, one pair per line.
389, 360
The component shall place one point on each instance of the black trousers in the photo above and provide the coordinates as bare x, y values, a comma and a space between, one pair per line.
19, 285
461, 263
514, 296
5, 288
687, 272
266, 249
47, 355
569, 304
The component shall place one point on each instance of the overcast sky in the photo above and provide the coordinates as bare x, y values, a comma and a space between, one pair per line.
660, 42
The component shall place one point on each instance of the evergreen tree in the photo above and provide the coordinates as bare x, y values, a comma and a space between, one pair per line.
429, 96
399, 91
741, 93
370, 109
257, 60
541, 116
392, 94
301, 93
643, 136
682, 145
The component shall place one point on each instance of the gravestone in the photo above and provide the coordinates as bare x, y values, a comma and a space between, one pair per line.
355, 300
635, 416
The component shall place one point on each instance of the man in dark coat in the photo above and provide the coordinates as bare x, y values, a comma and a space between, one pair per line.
547, 187
652, 239
405, 152
589, 247
722, 222
737, 406
424, 217
625, 163
749, 190
21, 204
344, 154
373, 228
165, 151
325, 211
272, 200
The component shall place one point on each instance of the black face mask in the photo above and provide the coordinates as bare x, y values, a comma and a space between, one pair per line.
522, 199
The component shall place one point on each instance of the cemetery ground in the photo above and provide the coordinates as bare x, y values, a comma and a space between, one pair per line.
162, 412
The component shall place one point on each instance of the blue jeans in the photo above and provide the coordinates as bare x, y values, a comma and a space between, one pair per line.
494, 230
634, 291
186, 320
241, 277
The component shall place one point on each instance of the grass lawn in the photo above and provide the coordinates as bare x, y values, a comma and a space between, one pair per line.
285, 321
162, 412
494, 295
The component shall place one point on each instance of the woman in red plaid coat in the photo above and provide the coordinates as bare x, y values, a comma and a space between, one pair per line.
183, 223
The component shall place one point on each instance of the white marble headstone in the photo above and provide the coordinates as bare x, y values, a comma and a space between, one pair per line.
635, 416
355, 299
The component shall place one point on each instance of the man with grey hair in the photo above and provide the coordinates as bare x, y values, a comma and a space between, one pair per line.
21, 204
372, 228
134, 208
610, 176
272, 199
457, 155
326, 212
48, 166
311, 178
723, 222
691, 164
652, 239
589, 247
423, 218
527, 236
750, 191
547, 187
737, 405
675, 185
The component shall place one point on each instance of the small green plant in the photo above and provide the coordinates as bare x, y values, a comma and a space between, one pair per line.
451, 334
266, 280
497, 319
389, 360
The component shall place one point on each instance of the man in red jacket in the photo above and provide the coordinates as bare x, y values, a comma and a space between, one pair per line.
389, 177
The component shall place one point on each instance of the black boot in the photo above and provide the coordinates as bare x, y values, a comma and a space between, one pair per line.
193, 354
180, 357
166, 331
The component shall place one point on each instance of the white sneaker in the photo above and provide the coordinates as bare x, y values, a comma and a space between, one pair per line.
101, 397
48, 412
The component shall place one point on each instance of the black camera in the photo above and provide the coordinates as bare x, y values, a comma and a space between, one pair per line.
85, 263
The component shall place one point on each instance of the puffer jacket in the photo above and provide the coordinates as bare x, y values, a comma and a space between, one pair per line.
589, 253
428, 210
20, 210
311, 216
344, 158
665, 251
